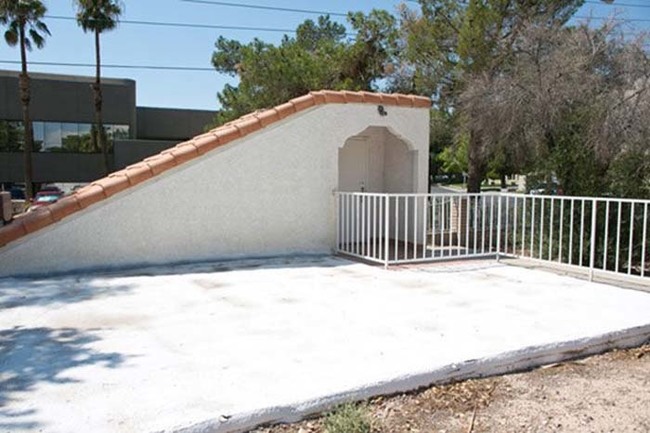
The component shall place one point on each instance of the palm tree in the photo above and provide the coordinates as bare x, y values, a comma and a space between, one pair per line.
25, 28
98, 16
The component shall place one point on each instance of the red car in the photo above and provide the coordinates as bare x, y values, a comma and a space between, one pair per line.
44, 198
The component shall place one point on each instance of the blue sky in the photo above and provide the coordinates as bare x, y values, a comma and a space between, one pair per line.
132, 44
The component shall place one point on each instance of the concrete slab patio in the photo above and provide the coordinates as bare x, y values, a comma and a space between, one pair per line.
221, 347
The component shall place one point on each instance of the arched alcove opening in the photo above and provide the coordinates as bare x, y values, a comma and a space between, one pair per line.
376, 160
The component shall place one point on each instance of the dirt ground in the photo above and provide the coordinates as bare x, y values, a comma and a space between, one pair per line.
604, 393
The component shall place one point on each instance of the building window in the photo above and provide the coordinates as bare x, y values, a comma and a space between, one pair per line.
11, 136
58, 136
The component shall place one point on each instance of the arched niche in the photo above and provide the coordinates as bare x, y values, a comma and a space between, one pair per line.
377, 160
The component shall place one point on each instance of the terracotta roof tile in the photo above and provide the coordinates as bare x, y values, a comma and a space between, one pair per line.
38, 219
138, 173
248, 126
183, 152
352, 97
187, 151
267, 117
88, 196
65, 207
303, 102
160, 163
372, 98
12, 232
285, 110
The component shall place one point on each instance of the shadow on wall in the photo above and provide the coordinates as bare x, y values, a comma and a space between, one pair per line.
30, 356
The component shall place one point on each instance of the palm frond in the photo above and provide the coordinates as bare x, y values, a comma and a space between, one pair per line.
11, 38
38, 40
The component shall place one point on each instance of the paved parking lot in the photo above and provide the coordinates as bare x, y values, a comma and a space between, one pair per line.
215, 347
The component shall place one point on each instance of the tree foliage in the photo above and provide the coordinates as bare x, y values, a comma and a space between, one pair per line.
450, 43
320, 56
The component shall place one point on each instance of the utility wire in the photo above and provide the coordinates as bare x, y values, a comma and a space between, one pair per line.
110, 66
268, 8
638, 20
615, 4
185, 25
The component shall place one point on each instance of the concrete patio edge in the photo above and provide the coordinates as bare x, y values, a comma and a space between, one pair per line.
507, 362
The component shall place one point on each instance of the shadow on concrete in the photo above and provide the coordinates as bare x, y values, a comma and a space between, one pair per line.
16, 293
32, 356
211, 266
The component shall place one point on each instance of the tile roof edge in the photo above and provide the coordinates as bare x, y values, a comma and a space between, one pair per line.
137, 173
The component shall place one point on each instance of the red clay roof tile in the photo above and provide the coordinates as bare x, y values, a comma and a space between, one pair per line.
160, 163
64, 207
267, 117
303, 102
38, 219
186, 151
138, 173
169, 158
12, 232
248, 126
286, 109
89, 195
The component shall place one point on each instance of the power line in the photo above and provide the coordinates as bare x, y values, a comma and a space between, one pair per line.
115, 66
638, 20
186, 25
268, 8
615, 4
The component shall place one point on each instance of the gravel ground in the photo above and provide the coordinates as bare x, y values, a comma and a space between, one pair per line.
604, 393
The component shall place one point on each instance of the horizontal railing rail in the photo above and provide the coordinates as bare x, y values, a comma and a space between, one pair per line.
597, 234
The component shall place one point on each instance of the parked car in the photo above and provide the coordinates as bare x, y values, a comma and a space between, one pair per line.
44, 198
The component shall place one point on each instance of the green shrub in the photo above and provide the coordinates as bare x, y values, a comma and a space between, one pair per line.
348, 418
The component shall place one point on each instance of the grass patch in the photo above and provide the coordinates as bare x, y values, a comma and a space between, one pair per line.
348, 418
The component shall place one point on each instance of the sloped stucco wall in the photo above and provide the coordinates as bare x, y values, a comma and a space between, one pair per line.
270, 193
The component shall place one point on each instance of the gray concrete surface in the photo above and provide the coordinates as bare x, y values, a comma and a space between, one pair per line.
221, 347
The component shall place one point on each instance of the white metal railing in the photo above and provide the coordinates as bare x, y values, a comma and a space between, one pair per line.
599, 234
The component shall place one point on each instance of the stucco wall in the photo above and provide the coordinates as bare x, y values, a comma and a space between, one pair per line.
270, 193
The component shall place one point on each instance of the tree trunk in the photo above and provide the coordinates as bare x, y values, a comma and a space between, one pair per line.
476, 169
97, 87
504, 183
28, 141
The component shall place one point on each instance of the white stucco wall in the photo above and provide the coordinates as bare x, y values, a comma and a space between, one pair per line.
270, 193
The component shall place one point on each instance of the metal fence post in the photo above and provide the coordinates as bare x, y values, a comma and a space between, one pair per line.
337, 198
592, 246
386, 230
499, 223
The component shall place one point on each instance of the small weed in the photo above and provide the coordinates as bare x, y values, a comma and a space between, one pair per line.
348, 418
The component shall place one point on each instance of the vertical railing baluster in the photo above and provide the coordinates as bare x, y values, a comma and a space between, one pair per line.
541, 227
561, 230
606, 235
386, 230
571, 232
582, 232
532, 228
433, 226
550, 231
618, 234
643, 241
631, 243
415, 226
592, 245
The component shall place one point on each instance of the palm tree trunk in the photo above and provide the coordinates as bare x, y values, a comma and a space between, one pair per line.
28, 141
99, 130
